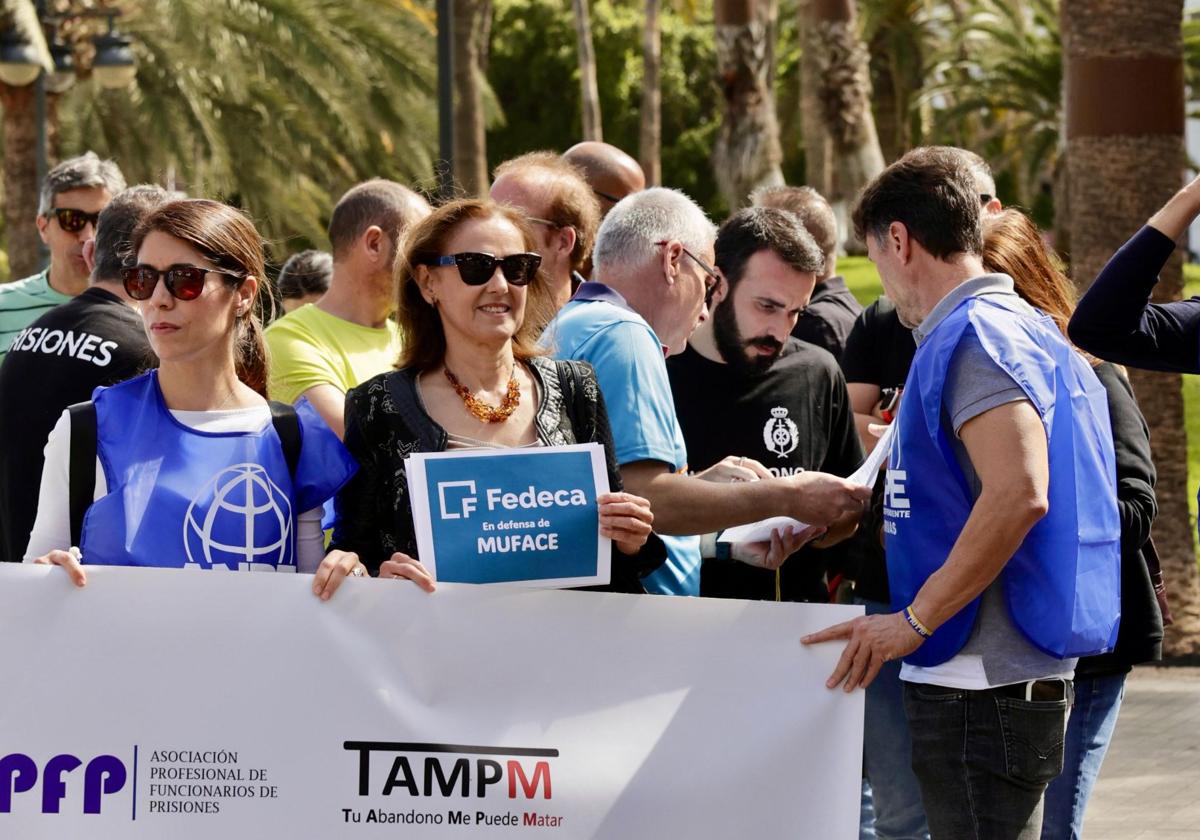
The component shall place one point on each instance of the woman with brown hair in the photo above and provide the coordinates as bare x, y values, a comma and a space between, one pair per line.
472, 303
1013, 246
192, 466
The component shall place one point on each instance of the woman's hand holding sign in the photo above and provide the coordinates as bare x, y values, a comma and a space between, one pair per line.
402, 566
625, 519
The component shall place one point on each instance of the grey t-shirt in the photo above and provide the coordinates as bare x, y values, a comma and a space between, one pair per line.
974, 385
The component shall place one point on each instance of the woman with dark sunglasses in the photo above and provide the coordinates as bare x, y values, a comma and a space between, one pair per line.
472, 303
193, 467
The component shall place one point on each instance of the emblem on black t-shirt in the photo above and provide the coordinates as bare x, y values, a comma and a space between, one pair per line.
780, 435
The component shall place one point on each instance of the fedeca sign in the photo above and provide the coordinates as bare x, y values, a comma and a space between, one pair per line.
518, 516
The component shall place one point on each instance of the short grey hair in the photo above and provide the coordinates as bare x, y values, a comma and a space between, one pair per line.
629, 232
79, 173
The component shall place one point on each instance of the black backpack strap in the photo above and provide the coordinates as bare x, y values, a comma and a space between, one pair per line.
82, 476
570, 382
287, 426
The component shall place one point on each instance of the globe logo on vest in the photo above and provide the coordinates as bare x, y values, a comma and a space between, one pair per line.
780, 435
241, 519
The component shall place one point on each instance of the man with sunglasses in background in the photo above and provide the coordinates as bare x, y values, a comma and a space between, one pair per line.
565, 214
746, 387
654, 274
323, 349
72, 196
95, 339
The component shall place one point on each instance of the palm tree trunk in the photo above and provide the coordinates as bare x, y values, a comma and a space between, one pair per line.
650, 140
472, 20
592, 126
20, 180
747, 154
818, 148
1124, 100
844, 91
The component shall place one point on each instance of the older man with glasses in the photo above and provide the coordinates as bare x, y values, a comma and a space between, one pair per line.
552, 194
72, 196
653, 276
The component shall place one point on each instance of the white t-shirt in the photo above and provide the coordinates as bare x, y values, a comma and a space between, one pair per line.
52, 528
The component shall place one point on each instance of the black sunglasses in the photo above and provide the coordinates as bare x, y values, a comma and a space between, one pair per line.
475, 269
72, 220
184, 282
713, 280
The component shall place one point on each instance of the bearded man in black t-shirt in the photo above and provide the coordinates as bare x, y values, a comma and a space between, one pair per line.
95, 339
745, 388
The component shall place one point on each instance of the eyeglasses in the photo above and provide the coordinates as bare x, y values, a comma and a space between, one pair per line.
184, 282
713, 280
545, 222
476, 269
72, 220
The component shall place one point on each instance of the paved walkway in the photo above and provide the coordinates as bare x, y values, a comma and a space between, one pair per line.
1149, 787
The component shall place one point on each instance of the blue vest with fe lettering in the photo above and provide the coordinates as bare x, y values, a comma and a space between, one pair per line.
1062, 585
180, 497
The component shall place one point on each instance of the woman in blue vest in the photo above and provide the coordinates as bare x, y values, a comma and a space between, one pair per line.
191, 469
1013, 246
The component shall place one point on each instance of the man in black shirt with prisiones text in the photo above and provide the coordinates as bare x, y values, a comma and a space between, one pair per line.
58, 360
745, 388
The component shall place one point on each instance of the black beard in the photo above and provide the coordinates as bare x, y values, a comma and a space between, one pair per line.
732, 346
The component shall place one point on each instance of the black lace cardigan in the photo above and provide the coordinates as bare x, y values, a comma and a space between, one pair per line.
386, 422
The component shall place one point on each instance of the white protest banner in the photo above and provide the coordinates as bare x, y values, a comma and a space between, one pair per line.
864, 476
516, 516
186, 705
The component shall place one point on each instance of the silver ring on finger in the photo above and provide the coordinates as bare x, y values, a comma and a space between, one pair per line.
357, 571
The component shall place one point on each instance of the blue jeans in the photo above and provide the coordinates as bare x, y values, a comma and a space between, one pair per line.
984, 759
893, 794
1097, 702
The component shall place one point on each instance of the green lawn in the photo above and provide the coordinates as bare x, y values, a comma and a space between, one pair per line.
863, 281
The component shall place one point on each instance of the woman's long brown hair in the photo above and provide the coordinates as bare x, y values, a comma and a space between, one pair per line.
1013, 245
228, 239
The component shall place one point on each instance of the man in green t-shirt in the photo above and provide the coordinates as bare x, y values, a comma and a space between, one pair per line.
324, 349
72, 196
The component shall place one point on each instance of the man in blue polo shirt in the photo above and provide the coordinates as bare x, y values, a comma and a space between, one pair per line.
653, 276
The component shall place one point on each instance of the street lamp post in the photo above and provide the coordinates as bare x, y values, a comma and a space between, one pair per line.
49, 66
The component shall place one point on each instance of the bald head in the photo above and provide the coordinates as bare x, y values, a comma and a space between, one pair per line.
610, 172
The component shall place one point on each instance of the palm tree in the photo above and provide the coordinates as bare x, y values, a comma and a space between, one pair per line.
592, 125
1003, 70
843, 96
278, 105
650, 138
472, 28
747, 154
1125, 141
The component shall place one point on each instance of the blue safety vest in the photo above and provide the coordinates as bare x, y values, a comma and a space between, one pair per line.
179, 497
1062, 585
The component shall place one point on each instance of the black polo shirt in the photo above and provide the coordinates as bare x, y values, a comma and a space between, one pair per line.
879, 352
58, 360
829, 316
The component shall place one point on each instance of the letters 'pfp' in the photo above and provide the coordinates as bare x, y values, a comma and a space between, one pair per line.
104, 775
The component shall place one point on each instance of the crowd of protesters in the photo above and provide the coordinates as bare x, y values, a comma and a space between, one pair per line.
1003, 557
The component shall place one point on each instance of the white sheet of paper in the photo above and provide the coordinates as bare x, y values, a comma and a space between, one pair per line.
864, 476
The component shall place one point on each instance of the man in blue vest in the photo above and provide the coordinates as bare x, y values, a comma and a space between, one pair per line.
1000, 514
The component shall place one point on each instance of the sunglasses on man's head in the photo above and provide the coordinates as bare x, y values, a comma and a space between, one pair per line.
72, 220
476, 269
184, 282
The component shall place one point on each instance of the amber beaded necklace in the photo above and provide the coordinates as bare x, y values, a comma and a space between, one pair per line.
483, 411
